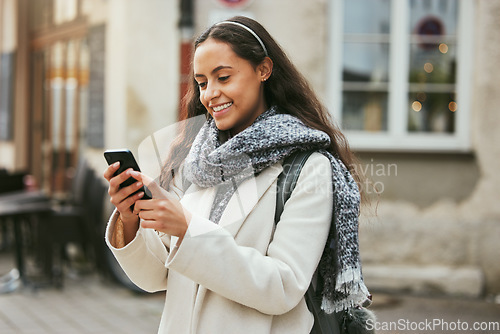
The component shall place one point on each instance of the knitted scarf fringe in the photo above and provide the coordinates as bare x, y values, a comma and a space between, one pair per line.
351, 284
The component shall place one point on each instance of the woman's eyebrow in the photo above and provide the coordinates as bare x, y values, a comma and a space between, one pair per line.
215, 70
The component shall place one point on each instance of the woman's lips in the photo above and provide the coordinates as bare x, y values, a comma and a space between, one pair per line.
221, 109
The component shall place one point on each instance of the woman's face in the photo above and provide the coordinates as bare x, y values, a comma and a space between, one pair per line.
230, 87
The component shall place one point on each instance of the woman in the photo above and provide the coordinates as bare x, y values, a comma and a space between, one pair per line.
211, 241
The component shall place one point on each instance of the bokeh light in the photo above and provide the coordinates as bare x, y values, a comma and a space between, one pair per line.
443, 48
452, 106
416, 106
428, 67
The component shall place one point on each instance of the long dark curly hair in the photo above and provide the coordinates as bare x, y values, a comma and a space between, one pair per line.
286, 88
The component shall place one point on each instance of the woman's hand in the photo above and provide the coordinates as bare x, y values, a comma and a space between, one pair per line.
122, 199
164, 213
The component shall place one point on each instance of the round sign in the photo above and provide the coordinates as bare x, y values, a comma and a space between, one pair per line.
429, 26
234, 3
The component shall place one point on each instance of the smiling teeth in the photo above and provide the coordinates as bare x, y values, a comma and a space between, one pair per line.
222, 107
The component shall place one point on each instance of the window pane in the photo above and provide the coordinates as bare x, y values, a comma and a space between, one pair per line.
367, 16
71, 91
433, 64
432, 112
56, 90
364, 111
7, 83
433, 17
95, 117
366, 62
365, 70
65, 10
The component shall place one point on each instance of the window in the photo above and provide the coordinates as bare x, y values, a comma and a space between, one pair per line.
400, 73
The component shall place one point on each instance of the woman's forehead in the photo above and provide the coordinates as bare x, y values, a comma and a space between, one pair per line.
212, 54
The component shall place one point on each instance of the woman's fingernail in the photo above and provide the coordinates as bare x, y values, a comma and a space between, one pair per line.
138, 184
140, 194
116, 164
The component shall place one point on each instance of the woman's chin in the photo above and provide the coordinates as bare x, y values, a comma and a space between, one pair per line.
222, 126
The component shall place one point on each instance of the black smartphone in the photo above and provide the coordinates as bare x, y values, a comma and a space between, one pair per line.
127, 160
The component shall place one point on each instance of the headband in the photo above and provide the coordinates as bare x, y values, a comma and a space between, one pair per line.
250, 31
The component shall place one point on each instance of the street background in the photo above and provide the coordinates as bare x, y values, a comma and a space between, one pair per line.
413, 84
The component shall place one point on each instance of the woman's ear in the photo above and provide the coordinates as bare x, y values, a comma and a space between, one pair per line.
265, 69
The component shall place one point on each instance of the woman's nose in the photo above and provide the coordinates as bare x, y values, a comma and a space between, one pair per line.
211, 92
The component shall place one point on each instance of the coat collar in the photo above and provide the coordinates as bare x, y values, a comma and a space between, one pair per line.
199, 200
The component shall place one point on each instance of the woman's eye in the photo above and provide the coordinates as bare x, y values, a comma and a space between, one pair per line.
202, 84
224, 78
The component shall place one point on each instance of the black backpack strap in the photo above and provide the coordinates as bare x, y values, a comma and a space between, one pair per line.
334, 323
288, 179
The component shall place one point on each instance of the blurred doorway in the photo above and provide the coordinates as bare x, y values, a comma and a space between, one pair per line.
59, 80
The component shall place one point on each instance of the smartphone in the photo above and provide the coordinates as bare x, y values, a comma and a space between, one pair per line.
127, 160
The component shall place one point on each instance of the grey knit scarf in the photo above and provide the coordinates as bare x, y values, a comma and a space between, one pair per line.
271, 138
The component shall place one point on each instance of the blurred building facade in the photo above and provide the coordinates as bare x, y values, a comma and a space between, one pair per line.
412, 83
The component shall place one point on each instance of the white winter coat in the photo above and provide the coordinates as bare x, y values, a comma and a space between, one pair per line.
238, 276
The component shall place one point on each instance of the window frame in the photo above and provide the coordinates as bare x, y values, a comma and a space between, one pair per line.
397, 137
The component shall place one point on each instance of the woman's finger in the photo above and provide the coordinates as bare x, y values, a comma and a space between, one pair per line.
111, 170
151, 204
124, 206
147, 214
156, 190
153, 224
178, 230
118, 193
164, 215
126, 192
122, 177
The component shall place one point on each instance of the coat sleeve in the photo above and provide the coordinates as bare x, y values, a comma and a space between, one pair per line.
272, 283
143, 259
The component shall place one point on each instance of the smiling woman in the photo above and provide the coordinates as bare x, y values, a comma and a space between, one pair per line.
208, 236
230, 87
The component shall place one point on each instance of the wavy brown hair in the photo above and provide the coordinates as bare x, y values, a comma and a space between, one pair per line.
286, 88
